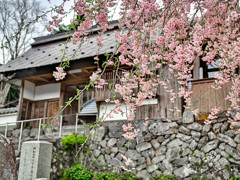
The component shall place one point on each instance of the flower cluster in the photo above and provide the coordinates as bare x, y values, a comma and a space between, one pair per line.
95, 78
59, 74
54, 23
129, 127
213, 115
129, 135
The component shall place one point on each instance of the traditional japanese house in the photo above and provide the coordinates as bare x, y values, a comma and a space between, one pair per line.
40, 94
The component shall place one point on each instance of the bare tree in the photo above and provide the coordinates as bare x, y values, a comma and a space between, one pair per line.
4, 89
17, 25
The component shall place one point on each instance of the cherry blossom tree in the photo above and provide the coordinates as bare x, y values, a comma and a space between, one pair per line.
154, 35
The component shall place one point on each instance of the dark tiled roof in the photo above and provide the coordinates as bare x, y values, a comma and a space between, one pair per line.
50, 38
8, 110
43, 53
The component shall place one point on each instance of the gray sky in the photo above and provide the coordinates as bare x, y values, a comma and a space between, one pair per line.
68, 4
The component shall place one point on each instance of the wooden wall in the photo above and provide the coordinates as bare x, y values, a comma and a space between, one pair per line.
204, 97
39, 109
167, 109
70, 110
150, 111
164, 109
105, 93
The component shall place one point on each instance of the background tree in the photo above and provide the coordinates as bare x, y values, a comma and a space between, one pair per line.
17, 26
8, 94
19, 21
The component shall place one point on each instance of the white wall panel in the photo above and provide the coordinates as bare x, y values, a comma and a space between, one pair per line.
49, 91
149, 101
107, 109
10, 118
29, 90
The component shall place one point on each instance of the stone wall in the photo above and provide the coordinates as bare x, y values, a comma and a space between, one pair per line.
184, 149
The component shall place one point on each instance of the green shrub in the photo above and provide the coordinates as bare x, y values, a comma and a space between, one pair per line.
107, 176
115, 176
130, 176
69, 141
77, 172
198, 178
165, 177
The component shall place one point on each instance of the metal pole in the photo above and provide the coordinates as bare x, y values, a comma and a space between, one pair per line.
60, 128
6, 129
39, 128
20, 137
76, 123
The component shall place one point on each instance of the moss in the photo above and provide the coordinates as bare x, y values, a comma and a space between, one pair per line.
192, 153
202, 164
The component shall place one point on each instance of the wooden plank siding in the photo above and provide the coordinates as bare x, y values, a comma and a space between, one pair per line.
101, 94
73, 109
167, 109
164, 109
39, 109
204, 97
151, 111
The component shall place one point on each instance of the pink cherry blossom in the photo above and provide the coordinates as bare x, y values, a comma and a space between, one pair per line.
59, 74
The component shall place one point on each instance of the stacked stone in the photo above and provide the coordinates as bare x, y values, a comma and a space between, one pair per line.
61, 159
184, 149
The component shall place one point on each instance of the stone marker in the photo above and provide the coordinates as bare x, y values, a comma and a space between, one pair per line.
7, 160
35, 160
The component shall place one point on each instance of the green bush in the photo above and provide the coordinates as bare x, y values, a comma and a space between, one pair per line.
165, 177
107, 176
114, 176
129, 176
77, 172
198, 178
69, 141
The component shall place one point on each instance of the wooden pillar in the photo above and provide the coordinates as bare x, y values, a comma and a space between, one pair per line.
196, 68
62, 94
20, 102
45, 111
79, 105
87, 96
32, 123
61, 100
98, 108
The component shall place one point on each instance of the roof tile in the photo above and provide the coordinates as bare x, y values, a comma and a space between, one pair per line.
38, 55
